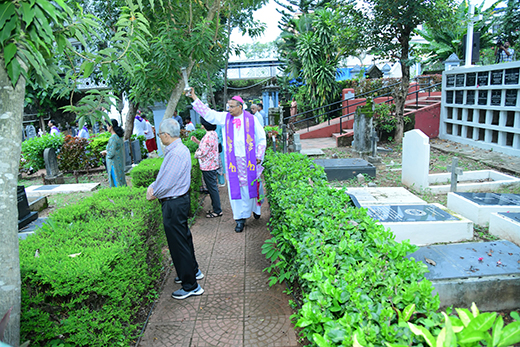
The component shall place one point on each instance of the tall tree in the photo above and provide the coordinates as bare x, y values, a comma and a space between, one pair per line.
511, 22
33, 34
392, 23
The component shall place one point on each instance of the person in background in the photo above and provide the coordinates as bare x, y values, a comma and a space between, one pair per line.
504, 53
189, 125
149, 134
115, 155
294, 108
178, 119
257, 114
54, 129
139, 124
207, 154
262, 112
244, 146
172, 189
83, 132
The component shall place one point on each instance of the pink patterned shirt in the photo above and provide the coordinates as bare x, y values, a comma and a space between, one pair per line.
207, 153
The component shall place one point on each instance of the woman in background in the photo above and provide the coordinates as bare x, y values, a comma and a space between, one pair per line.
115, 156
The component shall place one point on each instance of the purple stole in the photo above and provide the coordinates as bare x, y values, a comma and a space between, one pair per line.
139, 118
232, 169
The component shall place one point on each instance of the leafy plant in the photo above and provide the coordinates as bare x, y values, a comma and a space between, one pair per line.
76, 154
32, 150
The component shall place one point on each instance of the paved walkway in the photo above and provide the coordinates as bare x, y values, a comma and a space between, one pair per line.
237, 308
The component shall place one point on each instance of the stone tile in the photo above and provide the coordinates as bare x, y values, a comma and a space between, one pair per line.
256, 262
270, 331
224, 284
257, 282
221, 306
170, 310
223, 265
168, 335
220, 332
264, 304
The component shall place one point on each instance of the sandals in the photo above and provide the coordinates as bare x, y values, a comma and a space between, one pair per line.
212, 214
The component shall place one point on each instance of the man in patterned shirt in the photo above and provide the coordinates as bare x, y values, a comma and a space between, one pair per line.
244, 148
171, 188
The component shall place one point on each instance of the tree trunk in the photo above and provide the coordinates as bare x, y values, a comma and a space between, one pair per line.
130, 116
178, 91
11, 114
402, 92
210, 92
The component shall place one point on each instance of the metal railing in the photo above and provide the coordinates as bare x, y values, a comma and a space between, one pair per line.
362, 95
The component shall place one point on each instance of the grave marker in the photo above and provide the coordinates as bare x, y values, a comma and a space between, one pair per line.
128, 158
51, 166
455, 172
136, 151
345, 169
505, 225
478, 207
25, 215
416, 159
30, 130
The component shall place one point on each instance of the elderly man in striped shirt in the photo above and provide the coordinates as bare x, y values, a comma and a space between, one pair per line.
171, 188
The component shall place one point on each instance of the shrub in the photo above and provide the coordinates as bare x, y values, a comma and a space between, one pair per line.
76, 154
32, 150
87, 271
98, 143
192, 146
146, 172
357, 285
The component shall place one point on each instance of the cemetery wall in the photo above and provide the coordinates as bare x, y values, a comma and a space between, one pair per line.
480, 107
427, 120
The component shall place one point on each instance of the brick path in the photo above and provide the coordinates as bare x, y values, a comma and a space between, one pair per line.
237, 308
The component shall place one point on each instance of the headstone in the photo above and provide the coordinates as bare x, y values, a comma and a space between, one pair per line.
73, 131
345, 169
360, 179
455, 172
51, 166
478, 207
128, 157
363, 125
511, 97
136, 151
486, 273
512, 76
483, 78
471, 79
30, 130
416, 160
25, 215
297, 143
496, 77
422, 224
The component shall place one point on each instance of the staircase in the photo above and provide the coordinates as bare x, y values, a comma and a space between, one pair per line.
427, 114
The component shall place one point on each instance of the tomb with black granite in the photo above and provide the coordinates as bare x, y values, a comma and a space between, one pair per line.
478, 207
345, 169
25, 215
136, 151
54, 176
422, 224
128, 158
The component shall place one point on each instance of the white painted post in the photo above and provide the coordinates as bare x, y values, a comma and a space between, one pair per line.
469, 36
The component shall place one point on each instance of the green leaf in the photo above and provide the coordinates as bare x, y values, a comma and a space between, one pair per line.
471, 337
5, 33
510, 335
14, 70
497, 330
483, 322
474, 309
320, 340
336, 335
422, 331
408, 311
515, 315
451, 339
88, 67
464, 316
9, 52
27, 13
7, 11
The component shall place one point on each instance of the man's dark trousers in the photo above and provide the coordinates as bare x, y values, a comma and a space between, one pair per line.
175, 220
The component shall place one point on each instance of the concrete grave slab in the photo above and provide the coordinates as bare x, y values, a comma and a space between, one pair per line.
422, 224
505, 225
60, 189
472, 181
345, 169
478, 207
312, 152
31, 228
460, 278
384, 196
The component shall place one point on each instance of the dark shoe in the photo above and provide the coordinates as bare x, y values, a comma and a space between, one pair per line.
199, 275
257, 216
240, 225
182, 294
212, 214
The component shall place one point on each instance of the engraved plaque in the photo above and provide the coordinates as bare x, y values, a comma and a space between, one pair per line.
459, 80
470, 97
511, 95
511, 76
450, 81
482, 78
496, 77
496, 97
449, 97
471, 79
459, 97
482, 97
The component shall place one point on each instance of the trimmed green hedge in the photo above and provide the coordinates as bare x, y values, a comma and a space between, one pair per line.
32, 150
146, 172
87, 271
357, 286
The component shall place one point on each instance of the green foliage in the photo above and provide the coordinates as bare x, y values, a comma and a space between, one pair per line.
186, 138
32, 150
357, 285
98, 143
146, 172
77, 154
85, 273
142, 142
